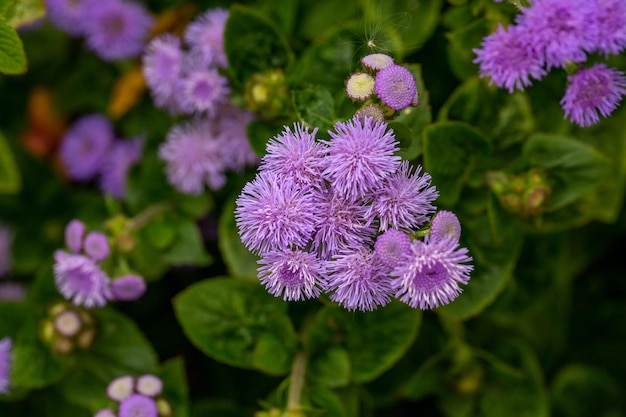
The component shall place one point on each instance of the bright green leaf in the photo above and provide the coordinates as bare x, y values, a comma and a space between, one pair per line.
240, 262
10, 178
188, 248
12, 56
315, 107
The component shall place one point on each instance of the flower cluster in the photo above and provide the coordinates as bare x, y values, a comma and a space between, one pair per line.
326, 216
554, 34
187, 81
5, 364
90, 150
141, 396
392, 84
68, 327
79, 275
113, 29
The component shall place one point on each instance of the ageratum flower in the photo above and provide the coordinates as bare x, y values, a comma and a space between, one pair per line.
231, 125
377, 61
358, 280
445, 225
391, 247
5, 364
404, 200
97, 246
81, 280
292, 273
121, 388
360, 156
593, 90
105, 412
122, 156
431, 273
359, 86
74, 232
203, 91
67, 15
149, 385
395, 86
128, 287
138, 405
610, 22
162, 66
274, 213
205, 36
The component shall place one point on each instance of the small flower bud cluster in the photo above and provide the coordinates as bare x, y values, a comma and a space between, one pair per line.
525, 194
136, 396
316, 210
559, 34
392, 84
90, 150
68, 327
79, 275
268, 93
6, 347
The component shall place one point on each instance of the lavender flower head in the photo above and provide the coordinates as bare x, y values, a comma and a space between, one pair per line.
445, 225
360, 156
377, 61
295, 155
593, 90
122, 156
149, 385
391, 247
74, 232
395, 86
205, 35
203, 90
138, 405
67, 15
508, 58
97, 246
117, 29
359, 281
81, 280
121, 388
610, 21
5, 364
292, 273
231, 124
85, 145
128, 287
162, 67
6, 241
431, 273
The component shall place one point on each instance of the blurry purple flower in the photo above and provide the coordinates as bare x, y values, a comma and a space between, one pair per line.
508, 59
377, 61
116, 29
117, 164
360, 156
293, 274
6, 241
12, 291
445, 225
105, 412
358, 280
67, 15
559, 30
128, 287
193, 158
395, 86
74, 232
149, 385
5, 364
593, 90
97, 246
81, 280
162, 66
203, 91
138, 406
431, 273
404, 200
121, 388
295, 155
205, 35
85, 145
391, 247
610, 21
274, 213
231, 127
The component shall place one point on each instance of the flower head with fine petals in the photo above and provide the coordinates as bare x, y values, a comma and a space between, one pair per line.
391, 246
122, 156
117, 29
295, 155
274, 213
593, 90
431, 273
203, 91
138, 405
205, 35
395, 86
445, 225
508, 59
359, 281
404, 200
162, 66
231, 125
80, 279
610, 21
292, 273
377, 61
360, 156
5, 364
67, 15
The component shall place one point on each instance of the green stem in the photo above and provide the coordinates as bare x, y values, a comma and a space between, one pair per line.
145, 216
297, 382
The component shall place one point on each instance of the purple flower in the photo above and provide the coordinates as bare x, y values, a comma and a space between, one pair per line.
128, 287
122, 156
149, 385
5, 364
97, 246
377, 61
74, 232
203, 91
193, 157
360, 156
85, 145
121, 388
559, 30
231, 124
296, 156
431, 273
162, 67
592, 90
395, 86
610, 21
508, 59
359, 280
6, 241
67, 15
274, 213
138, 405
205, 35
391, 247
116, 29
340, 224
80, 279
292, 273
105, 412
404, 200
445, 225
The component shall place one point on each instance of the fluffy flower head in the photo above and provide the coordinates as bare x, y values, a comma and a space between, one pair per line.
294, 274
445, 225
360, 86
80, 279
395, 86
67, 15
391, 247
162, 66
122, 156
610, 21
203, 91
205, 35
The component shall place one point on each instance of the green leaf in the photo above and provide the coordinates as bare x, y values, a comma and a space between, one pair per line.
322, 399
24, 12
12, 56
315, 107
10, 178
240, 262
234, 321
452, 150
175, 391
461, 43
331, 368
260, 131
253, 44
188, 248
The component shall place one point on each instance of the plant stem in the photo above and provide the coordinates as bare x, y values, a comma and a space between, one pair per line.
297, 382
145, 216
